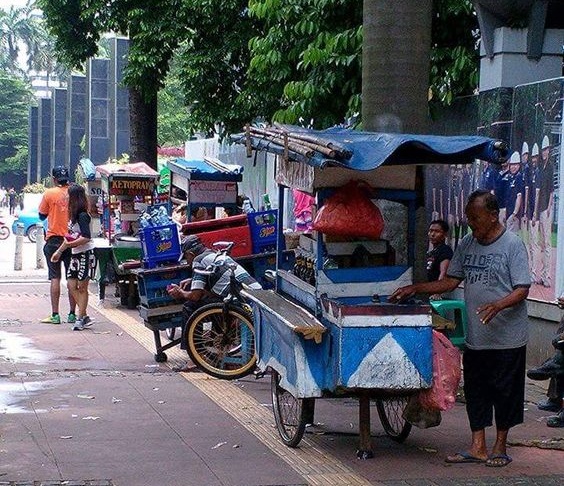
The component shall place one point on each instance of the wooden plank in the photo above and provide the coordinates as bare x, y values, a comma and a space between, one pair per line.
287, 312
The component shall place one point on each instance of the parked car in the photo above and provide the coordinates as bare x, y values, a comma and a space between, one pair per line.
32, 224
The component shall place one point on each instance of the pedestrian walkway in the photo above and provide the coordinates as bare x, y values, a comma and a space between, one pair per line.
93, 407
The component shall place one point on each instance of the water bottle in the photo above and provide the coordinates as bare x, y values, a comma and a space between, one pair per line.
163, 216
247, 208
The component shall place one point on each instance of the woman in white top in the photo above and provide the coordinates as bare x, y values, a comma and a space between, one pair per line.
83, 261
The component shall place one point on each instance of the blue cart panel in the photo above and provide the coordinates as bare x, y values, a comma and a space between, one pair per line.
358, 346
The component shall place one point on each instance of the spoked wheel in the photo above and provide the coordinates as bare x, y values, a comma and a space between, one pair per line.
224, 350
390, 411
4, 232
291, 414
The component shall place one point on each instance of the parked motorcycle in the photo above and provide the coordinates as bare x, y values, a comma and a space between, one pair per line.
4, 229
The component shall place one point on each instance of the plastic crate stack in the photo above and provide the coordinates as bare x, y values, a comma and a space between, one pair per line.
160, 240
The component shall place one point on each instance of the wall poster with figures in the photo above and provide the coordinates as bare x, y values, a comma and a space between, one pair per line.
527, 186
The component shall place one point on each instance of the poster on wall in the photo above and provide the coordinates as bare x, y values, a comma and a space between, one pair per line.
527, 186
537, 138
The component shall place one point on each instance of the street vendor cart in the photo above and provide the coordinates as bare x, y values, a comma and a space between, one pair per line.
210, 185
329, 331
126, 191
204, 184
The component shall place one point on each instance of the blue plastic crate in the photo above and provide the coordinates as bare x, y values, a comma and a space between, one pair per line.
160, 245
263, 225
152, 284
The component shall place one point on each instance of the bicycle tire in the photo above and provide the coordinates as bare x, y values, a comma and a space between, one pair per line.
4, 232
228, 356
390, 411
291, 414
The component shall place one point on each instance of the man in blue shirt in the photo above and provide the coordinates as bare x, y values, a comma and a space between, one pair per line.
514, 193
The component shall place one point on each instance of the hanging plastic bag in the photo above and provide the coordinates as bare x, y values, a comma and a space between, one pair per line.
446, 375
349, 212
421, 417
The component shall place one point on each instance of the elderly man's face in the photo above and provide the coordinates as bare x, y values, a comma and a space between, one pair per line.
481, 220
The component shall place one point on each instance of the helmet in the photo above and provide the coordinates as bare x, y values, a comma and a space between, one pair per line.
515, 158
535, 150
545, 142
525, 148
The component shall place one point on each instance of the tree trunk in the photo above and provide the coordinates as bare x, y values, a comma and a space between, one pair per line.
395, 65
395, 81
143, 128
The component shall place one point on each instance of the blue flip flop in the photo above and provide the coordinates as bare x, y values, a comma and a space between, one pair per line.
464, 458
498, 460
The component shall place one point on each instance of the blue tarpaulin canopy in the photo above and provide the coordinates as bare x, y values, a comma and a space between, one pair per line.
207, 169
356, 150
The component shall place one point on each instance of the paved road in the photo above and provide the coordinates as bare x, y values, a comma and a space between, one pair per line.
94, 408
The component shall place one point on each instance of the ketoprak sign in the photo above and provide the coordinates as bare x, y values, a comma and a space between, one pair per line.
130, 186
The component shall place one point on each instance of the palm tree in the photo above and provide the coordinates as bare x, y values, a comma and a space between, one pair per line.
23, 27
14, 29
395, 65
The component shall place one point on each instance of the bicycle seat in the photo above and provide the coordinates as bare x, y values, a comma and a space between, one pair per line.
224, 246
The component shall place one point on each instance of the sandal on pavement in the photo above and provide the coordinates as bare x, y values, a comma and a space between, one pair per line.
556, 420
463, 458
498, 460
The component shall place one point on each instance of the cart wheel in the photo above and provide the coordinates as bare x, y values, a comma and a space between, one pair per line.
123, 294
161, 357
390, 411
170, 333
291, 414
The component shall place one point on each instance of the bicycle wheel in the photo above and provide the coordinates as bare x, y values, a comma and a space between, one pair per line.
4, 232
228, 354
290, 414
390, 411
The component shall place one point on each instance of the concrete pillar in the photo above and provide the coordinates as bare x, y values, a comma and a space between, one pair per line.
39, 243
509, 64
19, 247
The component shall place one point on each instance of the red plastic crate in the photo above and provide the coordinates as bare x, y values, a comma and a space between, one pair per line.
234, 228
240, 235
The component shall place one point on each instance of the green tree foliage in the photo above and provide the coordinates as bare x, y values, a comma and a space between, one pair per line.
152, 27
173, 120
306, 61
213, 60
286, 60
454, 54
14, 101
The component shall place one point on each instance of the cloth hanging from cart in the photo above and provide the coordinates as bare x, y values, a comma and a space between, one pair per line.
365, 151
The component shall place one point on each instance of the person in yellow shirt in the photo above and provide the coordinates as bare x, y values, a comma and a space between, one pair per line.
54, 207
